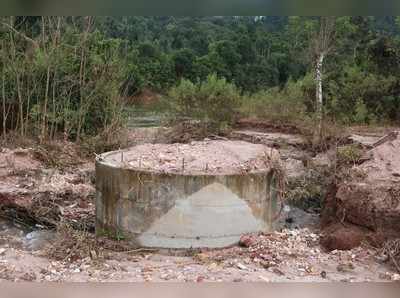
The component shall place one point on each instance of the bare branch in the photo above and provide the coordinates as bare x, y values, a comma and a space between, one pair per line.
35, 44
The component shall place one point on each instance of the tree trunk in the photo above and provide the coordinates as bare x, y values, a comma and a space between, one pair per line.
21, 106
44, 111
5, 115
319, 98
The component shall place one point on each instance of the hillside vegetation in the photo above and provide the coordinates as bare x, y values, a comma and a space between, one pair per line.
71, 75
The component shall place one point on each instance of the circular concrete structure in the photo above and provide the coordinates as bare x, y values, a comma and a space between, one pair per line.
203, 194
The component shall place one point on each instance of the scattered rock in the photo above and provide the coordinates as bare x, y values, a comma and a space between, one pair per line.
396, 277
28, 276
385, 276
268, 264
213, 156
241, 266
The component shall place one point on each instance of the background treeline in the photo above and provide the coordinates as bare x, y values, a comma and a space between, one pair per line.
70, 74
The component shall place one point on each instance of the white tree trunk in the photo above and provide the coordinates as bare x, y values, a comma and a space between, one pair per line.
319, 101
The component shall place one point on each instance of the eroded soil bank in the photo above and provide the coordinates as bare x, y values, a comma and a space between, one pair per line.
46, 232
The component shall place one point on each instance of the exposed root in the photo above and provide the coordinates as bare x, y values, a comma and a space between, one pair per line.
391, 251
71, 245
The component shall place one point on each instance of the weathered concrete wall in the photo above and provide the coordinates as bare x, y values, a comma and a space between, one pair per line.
182, 211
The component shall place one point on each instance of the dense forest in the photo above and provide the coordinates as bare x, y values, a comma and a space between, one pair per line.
71, 75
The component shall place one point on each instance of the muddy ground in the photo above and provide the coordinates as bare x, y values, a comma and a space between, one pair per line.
47, 229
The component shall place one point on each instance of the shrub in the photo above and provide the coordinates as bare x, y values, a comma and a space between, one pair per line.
213, 100
286, 105
349, 155
361, 112
68, 83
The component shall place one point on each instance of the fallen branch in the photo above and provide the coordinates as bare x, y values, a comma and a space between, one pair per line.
393, 259
141, 250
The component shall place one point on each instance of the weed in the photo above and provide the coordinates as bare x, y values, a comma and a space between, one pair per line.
349, 155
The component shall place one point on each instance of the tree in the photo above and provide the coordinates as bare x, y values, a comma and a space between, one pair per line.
183, 60
322, 46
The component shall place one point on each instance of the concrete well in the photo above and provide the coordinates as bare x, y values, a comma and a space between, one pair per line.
185, 206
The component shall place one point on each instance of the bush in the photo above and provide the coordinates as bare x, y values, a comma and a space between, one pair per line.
349, 155
361, 112
286, 105
357, 96
69, 83
213, 100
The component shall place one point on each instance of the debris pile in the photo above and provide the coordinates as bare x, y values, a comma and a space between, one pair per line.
198, 157
32, 193
291, 254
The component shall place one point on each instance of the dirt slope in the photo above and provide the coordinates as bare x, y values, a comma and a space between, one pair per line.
366, 205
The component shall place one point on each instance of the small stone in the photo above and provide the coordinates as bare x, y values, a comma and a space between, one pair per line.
28, 276
237, 279
278, 272
264, 278
202, 257
267, 264
323, 274
246, 241
167, 276
212, 266
385, 276
200, 278
241, 266
396, 277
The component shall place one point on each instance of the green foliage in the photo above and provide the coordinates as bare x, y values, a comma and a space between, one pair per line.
361, 112
68, 82
308, 193
70, 79
213, 100
279, 105
362, 97
184, 63
260, 54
